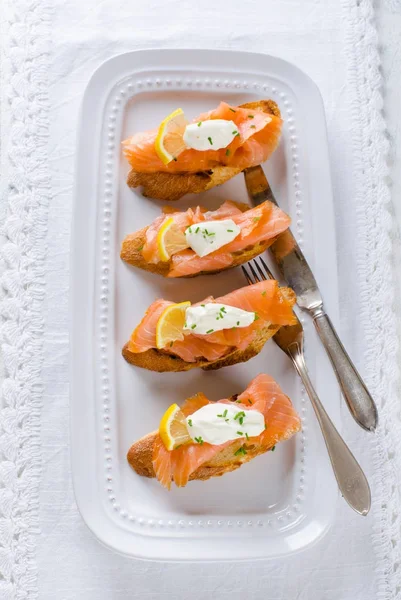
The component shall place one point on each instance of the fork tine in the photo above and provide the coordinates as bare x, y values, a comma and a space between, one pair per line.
256, 276
266, 268
257, 265
247, 276
257, 271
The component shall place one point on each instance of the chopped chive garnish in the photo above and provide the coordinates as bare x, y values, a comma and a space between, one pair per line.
240, 451
234, 132
223, 309
256, 219
225, 413
256, 316
141, 247
227, 420
241, 420
237, 135
200, 123
203, 304
240, 433
273, 449
199, 440
171, 343
193, 326
206, 231
210, 141
210, 331
232, 110
250, 401
190, 422
251, 116
190, 230
239, 415
228, 152
197, 229
175, 159
179, 446
237, 323
247, 436
230, 230
185, 324
209, 234
253, 126
220, 415
264, 293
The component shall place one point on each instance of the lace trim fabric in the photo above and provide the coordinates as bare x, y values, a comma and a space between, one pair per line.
25, 198
375, 228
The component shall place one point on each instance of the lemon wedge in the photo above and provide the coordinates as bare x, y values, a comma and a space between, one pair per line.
169, 141
173, 428
169, 327
170, 240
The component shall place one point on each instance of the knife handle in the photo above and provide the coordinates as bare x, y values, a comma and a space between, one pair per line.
355, 392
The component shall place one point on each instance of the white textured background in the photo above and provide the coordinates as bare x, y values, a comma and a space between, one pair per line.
389, 29
313, 34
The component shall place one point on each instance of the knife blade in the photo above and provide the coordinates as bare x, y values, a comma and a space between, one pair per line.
298, 275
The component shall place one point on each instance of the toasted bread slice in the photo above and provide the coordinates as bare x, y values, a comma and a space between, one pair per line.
150, 458
172, 186
140, 457
162, 362
134, 242
141, 350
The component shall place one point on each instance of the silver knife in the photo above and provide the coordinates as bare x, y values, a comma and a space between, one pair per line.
299, 277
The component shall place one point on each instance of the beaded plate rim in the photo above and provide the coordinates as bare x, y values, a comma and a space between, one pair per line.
122, 92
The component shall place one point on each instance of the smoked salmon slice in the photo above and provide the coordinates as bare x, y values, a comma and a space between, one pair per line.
266, 299
262, 394
259, 227
259, 134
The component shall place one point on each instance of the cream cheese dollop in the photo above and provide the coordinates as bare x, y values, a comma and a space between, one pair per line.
210, 317
212, 134
217, 423
208, 236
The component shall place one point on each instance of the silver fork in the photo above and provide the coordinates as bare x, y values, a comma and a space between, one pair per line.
290, 338
298, 275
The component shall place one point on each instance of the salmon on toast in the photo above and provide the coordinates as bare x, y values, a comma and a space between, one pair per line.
210, 334
180, 157
199, 241
205, 439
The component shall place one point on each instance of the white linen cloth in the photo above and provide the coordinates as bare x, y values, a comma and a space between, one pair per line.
49, 50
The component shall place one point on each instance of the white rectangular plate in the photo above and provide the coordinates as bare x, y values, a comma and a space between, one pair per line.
283, 501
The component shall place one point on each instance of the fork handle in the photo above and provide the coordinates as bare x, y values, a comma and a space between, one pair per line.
350, 478
355, 392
